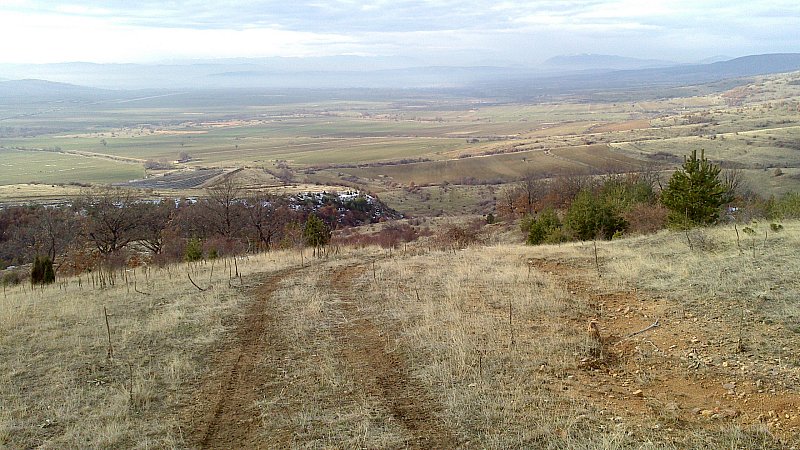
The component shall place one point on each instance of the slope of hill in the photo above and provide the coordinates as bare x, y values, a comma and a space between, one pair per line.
499, 346
652, 80
746, 66
33, 90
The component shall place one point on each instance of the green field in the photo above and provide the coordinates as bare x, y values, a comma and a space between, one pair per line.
506, 167
18, 167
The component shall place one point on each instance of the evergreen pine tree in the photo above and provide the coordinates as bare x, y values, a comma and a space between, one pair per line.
49, 272
315, 232
194, 250
37, 271
695, 193
42, 271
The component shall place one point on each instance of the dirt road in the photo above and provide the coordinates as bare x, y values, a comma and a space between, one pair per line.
250, 367
224, 412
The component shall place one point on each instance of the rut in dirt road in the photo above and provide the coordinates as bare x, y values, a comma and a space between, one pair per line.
384, 373
224, 412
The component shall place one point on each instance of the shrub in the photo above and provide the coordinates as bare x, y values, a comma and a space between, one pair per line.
589, 217
219, 246
194, 250
49, 273
42, 271
645, 218
543, 228
454, 237
391, 236
12, 278
787, 207
315, 232
625, 191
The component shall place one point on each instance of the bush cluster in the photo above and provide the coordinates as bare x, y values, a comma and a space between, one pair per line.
698, 194
584, 209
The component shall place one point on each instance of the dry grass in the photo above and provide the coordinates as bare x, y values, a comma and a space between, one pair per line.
509, 383
489, 339
320, 401
59, 389
369, 349
746, 284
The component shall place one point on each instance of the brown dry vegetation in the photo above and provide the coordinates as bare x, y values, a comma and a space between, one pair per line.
485, 347
58, 387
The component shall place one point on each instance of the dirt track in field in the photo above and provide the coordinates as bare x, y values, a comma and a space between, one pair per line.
224, 413
244, 369
384, 373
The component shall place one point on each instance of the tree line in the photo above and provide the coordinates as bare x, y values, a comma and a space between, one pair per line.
112, 227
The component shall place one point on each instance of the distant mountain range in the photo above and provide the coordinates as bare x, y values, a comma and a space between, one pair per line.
317, 73
580, 72
603, 62
745, 66
639, 80
13, 91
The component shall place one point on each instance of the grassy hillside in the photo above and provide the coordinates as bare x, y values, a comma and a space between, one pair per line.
666, 341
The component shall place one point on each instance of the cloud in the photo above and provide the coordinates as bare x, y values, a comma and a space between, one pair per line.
49, 38
120, 30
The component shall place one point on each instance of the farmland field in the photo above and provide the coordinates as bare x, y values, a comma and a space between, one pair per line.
381, 144
48, 167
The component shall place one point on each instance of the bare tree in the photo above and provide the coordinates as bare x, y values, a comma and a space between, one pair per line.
531, 193
224, 208
505, 203
155, 218
563, 190
57, 230
111, 223
267, 215
733, 181
18, 236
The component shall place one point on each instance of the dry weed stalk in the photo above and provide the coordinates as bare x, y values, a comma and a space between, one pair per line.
110, 349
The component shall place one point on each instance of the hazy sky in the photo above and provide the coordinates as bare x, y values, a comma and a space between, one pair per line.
431, 32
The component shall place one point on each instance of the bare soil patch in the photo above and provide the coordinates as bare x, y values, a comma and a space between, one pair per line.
687, 371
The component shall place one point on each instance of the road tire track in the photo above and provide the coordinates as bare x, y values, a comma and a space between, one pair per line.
224, 412
384, 373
